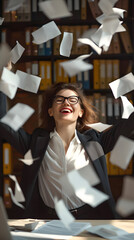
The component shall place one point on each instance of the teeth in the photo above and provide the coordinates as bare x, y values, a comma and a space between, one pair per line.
66, 110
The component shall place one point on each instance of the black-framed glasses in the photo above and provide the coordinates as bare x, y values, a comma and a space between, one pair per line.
71, 99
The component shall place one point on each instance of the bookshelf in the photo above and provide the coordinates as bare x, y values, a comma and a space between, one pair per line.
108, 66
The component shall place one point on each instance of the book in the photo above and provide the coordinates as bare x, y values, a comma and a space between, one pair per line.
96, 74
109, 72
116, 69
83, 9
102, 73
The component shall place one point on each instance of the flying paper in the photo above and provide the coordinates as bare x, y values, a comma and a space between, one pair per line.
16, 52
122, 152
46, 32
122, 85
66, 44
63, 213
54, 9
17, 115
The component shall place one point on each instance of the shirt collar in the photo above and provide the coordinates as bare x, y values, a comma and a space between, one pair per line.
54, 133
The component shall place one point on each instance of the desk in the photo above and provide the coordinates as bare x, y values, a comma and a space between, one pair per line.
127, 225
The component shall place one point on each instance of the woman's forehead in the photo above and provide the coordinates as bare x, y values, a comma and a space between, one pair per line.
67, 92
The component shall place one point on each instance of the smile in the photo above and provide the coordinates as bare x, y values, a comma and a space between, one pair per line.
66, 110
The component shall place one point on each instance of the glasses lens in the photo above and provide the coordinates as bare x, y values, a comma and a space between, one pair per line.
59, 99
73, 100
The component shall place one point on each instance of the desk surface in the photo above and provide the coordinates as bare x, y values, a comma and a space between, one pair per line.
127, 225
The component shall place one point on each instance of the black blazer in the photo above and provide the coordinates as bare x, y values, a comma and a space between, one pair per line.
95, 144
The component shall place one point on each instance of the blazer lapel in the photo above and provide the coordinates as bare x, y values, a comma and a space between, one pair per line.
95, 153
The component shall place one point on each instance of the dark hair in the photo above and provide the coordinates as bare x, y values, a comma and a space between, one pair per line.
89, 115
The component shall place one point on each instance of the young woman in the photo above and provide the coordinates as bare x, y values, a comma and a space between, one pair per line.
62, 145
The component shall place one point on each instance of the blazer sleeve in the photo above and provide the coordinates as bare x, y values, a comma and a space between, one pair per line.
109, 137
2, 104
20, 139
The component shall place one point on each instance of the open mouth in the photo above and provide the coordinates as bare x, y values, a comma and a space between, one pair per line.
66, 110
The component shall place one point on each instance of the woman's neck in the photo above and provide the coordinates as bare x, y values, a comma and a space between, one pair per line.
66, 133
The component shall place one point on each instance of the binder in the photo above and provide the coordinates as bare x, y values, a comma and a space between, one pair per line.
28, 67
110, 113
6, 15
117, 110
35, 68
86, 79
84, 48
76, 9
102, 73
109, 72
83, 9
41, 49
58, 71
34, 46
96, 100
56, 44
6, 195
27, 11
116, 69
96, 74
34, 10
45, 74
48, 73
103, 109
7, 158
28, 48
48, 48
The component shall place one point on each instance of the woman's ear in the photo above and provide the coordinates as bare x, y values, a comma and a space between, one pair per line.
50, 112
81, 113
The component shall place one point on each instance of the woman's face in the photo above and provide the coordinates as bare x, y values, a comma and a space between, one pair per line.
66, 110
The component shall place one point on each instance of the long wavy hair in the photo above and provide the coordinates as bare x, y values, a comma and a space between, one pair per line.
89, 115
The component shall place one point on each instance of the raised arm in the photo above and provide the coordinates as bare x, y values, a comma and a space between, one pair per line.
125, 128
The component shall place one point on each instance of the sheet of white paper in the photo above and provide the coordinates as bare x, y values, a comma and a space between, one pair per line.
46, 32
55, 9
9, 77
91, 44
17, 115
128, 236
16, 52
63, 213
84, 56
8, 89
122, 152
28, 82
57, 227
107, 231
14, 199
86, 172
66, 44
125, 204
19, 196
125, 207
110, 25
122, 85
99, 126
106, 6
1, 20
35, 236
127, 107
116, 12
73, 67
13, 5
4, 55
28, 159
84, 191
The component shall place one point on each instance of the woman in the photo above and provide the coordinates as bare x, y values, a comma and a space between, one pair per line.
64, 145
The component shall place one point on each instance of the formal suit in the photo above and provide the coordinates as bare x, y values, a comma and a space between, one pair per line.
95, 144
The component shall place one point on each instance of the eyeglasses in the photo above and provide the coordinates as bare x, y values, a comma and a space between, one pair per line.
71, 99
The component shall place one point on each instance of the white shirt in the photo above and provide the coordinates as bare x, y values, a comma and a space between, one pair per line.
55, 164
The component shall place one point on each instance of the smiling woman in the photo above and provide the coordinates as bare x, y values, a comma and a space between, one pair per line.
52, 95
65, 144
